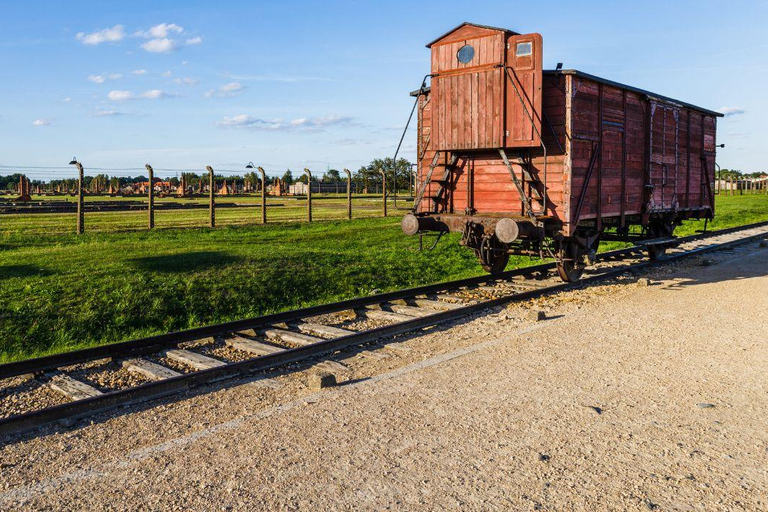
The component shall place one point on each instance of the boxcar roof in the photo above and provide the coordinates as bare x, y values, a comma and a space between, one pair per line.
649, 94
472, 25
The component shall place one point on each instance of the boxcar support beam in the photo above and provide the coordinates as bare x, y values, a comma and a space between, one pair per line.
518, 185
587, 178
427, 180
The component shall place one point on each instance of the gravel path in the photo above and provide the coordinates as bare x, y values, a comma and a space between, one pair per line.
627, 398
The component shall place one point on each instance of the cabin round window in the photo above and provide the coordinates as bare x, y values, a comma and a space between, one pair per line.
465, 54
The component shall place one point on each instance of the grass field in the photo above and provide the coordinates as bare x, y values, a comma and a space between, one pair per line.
60, 291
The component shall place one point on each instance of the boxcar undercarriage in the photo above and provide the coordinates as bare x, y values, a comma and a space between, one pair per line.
493, 238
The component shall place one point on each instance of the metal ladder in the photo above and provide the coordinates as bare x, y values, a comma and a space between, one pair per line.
439, 198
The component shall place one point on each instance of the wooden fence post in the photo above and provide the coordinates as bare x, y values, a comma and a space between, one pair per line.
384, 190
349, 193
309, 194
211, 198
151, 207
263, 196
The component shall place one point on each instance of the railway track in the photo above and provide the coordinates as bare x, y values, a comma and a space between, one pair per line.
170, 363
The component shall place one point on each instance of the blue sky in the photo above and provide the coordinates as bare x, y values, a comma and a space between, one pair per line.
321, 84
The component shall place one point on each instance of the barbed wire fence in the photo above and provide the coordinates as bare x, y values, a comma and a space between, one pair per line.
47, 195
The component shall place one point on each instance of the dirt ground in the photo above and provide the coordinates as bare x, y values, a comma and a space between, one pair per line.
627, 397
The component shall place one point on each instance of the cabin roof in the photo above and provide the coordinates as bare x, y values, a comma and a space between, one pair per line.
429, 45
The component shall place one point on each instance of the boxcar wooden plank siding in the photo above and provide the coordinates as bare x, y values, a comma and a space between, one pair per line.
675, 165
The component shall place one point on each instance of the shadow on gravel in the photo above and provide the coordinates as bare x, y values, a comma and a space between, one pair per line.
185, 262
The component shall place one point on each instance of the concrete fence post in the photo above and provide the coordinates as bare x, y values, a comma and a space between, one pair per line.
349, 193
263, 195
211, 198
151, 196
80, 200
309, 194
384, 190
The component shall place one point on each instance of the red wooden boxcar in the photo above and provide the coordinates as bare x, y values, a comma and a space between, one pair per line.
526, 161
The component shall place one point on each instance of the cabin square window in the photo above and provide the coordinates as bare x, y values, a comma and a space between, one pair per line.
524, 49
465, 54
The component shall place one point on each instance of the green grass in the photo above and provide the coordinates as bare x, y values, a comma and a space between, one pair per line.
60, 291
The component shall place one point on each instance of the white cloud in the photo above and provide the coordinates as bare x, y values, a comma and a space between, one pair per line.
41, 122
191, 82
161, 31
166, 74
100, 79
139, 72
107, 35
226, 91
161, 45
154, 94
304, 123
120, 95
67, 99
731, 111
107, 113
162, 38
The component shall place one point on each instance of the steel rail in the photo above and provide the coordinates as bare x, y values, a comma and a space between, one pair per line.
157, 389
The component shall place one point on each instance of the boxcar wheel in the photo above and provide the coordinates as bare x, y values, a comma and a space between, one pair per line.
570, 264
656, 252
493, 255
569, 271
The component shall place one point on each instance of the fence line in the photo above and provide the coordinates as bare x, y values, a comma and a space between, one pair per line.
731, 186
148, 193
